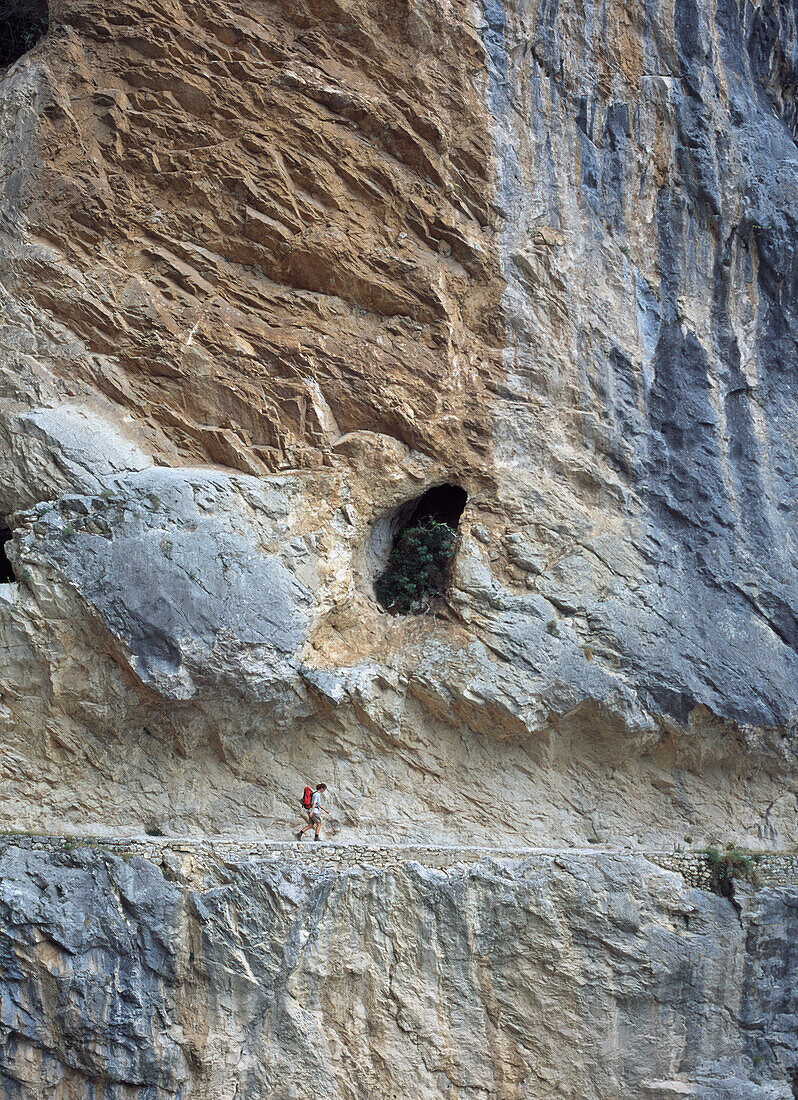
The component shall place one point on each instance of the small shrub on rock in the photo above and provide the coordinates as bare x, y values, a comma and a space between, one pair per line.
725, 867
418, 568
22, 24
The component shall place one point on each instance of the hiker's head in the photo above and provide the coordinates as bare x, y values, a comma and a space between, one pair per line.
321, 787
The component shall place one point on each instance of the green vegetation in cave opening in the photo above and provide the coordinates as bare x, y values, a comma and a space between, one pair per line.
423, 541
725, 867
23, 23
419, 567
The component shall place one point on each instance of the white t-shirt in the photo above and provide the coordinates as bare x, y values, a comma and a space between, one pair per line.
315, 803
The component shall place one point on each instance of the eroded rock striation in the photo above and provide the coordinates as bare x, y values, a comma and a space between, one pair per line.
269, 272
565, 976
268, 275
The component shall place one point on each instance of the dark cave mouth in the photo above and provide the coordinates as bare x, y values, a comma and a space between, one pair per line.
6, 571
422, 534
23, 23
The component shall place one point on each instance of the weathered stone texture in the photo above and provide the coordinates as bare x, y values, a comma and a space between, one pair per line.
268, 271
180, 574
576, 977
648, 186
319, 256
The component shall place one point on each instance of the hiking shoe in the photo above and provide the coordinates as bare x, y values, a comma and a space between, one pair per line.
299, 835
317, 838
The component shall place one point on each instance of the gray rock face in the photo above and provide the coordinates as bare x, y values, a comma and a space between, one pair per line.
545, 251
174, 567
659, 187
578, 977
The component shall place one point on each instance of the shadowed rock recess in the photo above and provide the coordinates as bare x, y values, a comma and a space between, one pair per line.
23, 23
271, 271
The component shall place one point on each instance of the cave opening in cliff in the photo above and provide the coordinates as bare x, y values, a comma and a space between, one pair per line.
23, 23
6, 572
420, 538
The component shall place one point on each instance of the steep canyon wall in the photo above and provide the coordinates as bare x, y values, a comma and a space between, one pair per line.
571, 977
270, 271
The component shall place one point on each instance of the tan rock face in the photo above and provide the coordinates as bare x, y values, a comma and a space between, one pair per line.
269, 272
270, 227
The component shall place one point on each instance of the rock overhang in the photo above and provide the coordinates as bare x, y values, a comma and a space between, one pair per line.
576, 358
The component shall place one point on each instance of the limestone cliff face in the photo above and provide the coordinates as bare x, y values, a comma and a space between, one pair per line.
576, 977
269, 271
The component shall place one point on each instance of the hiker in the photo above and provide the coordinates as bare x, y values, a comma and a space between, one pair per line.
314, 811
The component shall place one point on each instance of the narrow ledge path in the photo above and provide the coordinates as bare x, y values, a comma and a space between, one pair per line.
190, 859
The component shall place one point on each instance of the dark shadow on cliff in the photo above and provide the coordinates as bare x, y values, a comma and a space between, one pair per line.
423, 534
23, 23
6, 572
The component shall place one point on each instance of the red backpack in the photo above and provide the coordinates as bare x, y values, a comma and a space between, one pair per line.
307, 798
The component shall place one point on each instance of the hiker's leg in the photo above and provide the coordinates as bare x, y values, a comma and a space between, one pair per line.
318, 830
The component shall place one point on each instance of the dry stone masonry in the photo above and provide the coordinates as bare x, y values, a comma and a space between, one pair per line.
195, 860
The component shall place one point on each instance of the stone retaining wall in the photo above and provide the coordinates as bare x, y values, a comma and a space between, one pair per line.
771, 868
192, 859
